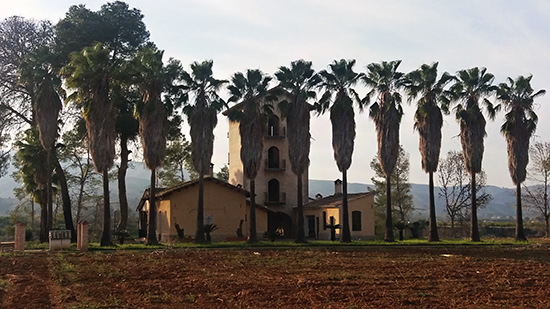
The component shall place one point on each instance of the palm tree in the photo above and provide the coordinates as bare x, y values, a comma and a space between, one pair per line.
33, 174
339, 81
386, 81
299, 80
518, 96
252, 118
152, 79
36, 72
202, 116
423, 83
471, 88
89, 72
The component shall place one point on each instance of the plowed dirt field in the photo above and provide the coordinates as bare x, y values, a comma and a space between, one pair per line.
362, 277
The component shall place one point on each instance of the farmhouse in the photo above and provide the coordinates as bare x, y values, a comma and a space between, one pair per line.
224, 205
276, 184
322, 213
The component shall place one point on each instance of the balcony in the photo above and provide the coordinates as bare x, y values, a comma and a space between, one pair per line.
272, 199
275, 166
276, 133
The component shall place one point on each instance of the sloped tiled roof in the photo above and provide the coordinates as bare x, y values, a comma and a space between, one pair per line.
335, 201
162, 192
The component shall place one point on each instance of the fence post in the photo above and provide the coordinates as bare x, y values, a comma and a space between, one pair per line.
19, 237
82, 236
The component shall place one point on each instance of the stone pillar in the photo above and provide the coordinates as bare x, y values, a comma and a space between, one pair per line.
82, 236
19, 237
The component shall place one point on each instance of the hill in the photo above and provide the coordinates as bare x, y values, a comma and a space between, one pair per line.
502, 206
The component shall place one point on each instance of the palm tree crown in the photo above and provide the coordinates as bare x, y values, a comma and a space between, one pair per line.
471, 88
433, 99
517, 97
385, 82
339, 96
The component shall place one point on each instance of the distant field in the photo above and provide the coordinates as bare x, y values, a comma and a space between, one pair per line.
454, 276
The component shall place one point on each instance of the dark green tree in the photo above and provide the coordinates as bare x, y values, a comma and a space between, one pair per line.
223, 173
177, 163
122, 31
401, 196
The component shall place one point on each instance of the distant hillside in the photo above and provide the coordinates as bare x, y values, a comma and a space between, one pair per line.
501, 206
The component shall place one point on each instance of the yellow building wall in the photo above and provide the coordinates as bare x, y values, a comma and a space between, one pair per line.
364, 205
224, 206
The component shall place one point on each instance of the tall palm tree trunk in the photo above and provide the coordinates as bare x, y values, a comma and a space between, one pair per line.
49, 190
252, 235
300, 233
433, 223
151, 230
389, 223
67, 210
346, 236
123, 200
546, 223
520, 233
106, 235
43, 217
199, 234
474, 229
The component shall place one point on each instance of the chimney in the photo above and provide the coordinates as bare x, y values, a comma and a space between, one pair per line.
318, 196
337, 186
211, 172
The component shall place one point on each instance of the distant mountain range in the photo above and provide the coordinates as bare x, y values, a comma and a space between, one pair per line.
502, 206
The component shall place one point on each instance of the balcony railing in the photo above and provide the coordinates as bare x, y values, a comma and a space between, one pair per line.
272, 133
275, 167
281, 199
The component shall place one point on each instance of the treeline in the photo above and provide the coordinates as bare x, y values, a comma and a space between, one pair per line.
96, 77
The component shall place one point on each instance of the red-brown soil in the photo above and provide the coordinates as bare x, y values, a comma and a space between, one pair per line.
365, 277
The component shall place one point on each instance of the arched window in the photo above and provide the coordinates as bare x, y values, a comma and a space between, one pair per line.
356, 220
273, 190
273, 157
273, 126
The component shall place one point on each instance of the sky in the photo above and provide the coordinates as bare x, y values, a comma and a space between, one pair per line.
509, 38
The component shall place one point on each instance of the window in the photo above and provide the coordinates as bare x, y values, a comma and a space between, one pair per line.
208, 219
273, 190
273, 126
324, 220
273, 157
356, 220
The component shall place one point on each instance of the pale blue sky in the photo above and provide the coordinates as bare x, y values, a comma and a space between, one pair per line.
508, 37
